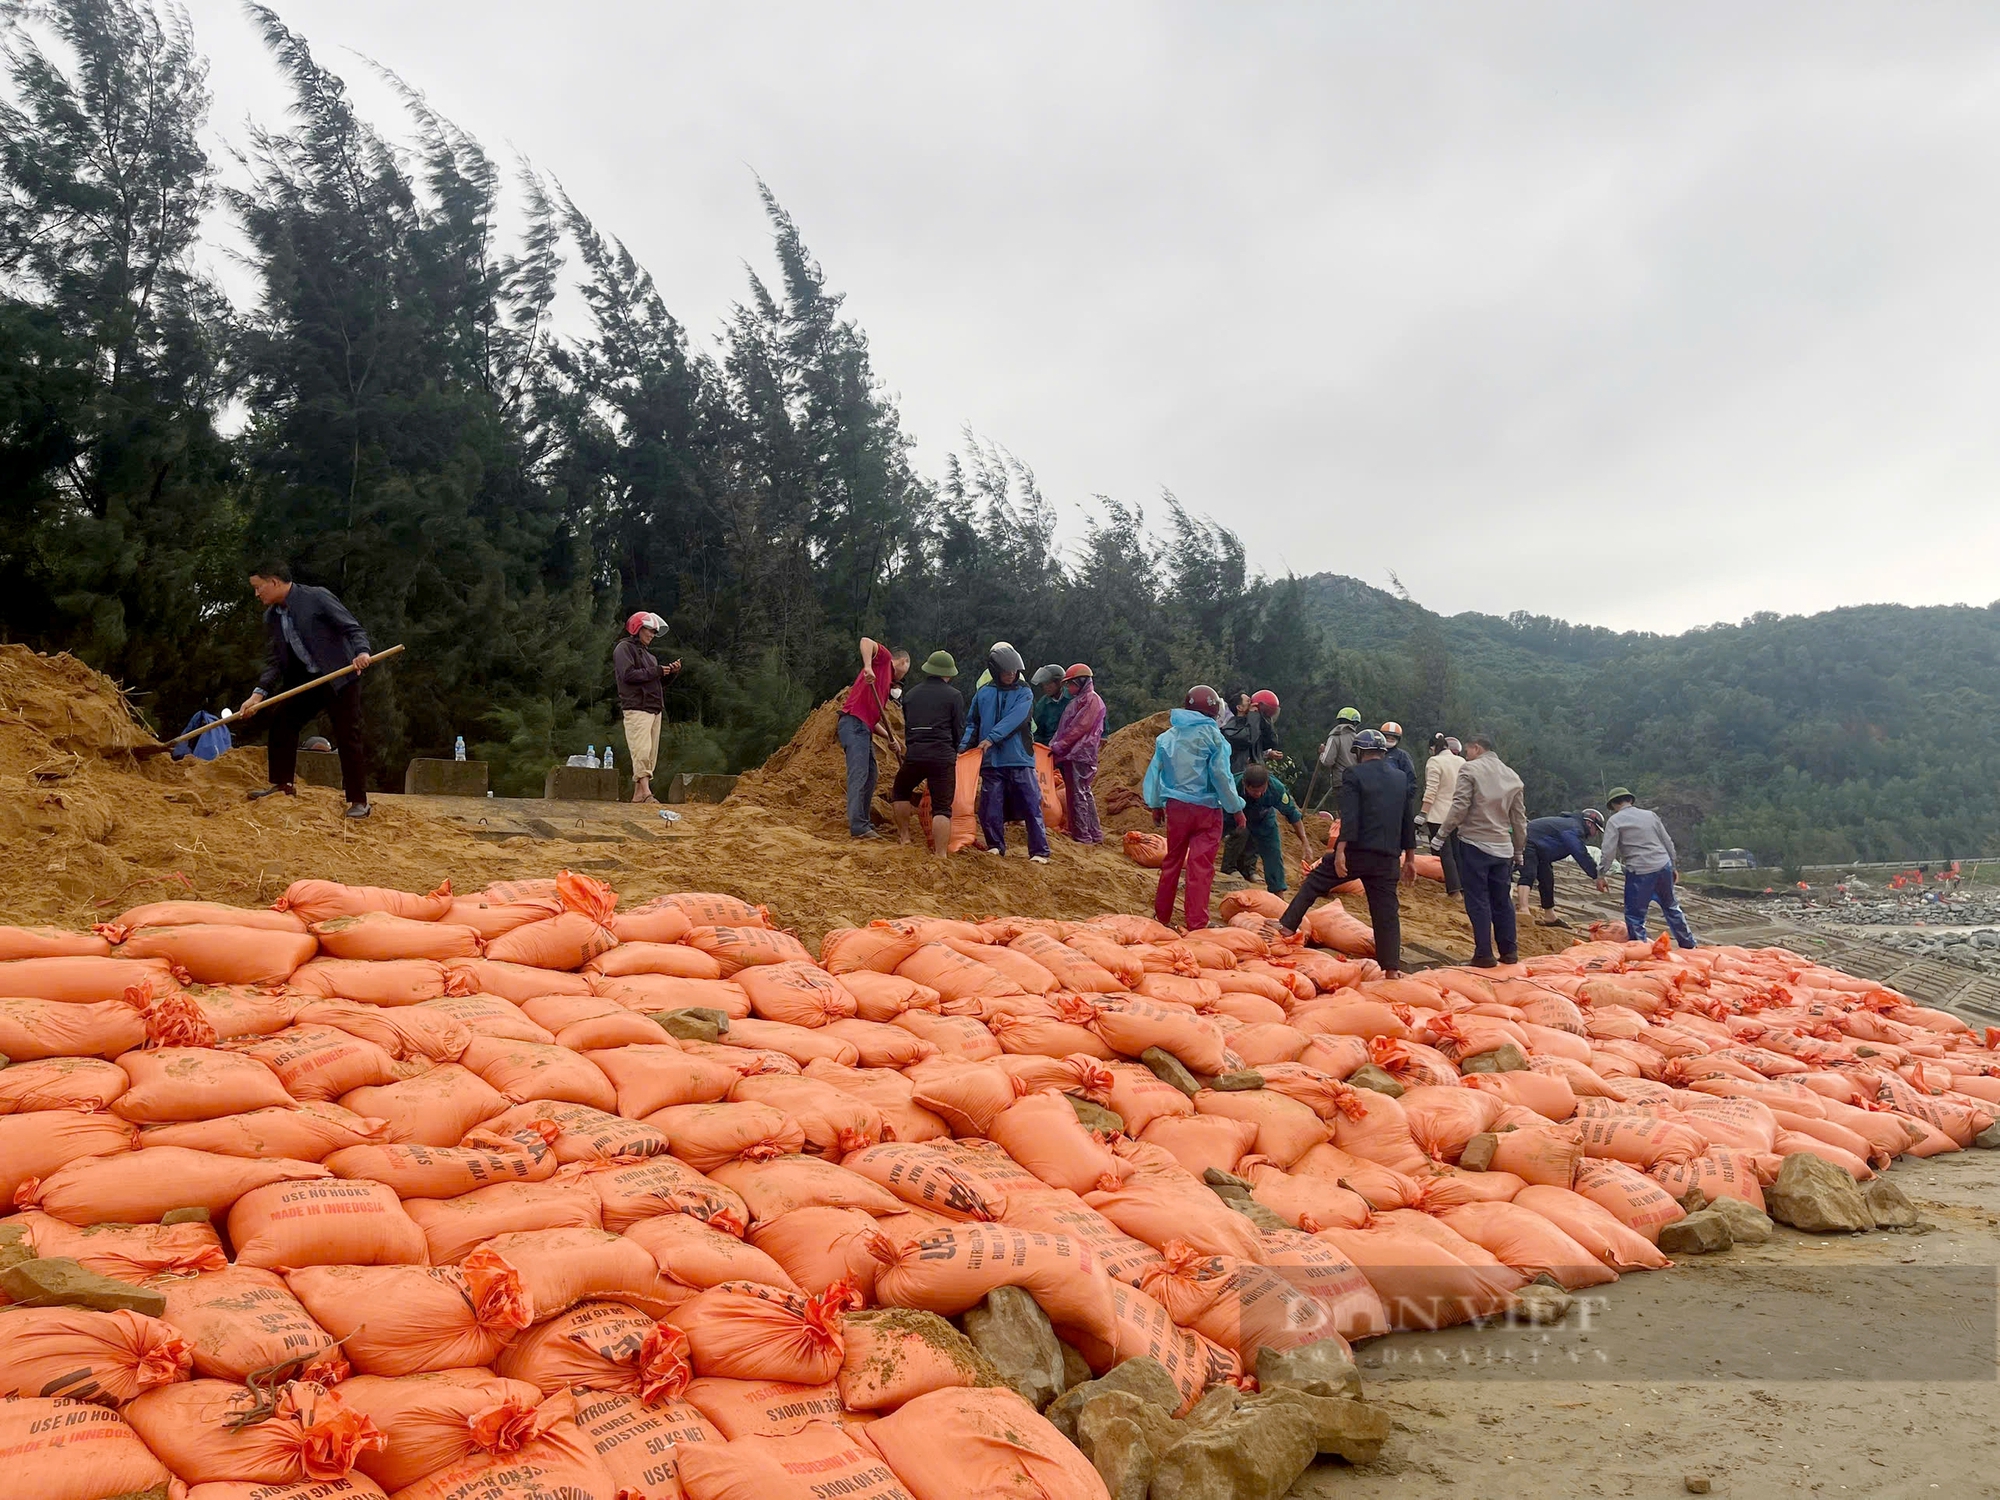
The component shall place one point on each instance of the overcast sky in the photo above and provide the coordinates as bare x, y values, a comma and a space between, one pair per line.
1643, 316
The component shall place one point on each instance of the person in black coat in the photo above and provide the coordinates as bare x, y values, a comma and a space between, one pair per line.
1377, 846
308, 633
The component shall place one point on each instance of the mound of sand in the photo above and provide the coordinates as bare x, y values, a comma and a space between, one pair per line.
90, 828
808, 773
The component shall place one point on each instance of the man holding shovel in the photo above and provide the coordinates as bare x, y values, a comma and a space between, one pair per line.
308, 632
860, 715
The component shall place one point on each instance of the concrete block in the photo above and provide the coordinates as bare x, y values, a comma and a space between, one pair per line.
580, 784
445, 778
319, 768
691, 787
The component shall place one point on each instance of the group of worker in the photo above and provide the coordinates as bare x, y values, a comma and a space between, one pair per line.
1208, 783
1472, 809
1010, 714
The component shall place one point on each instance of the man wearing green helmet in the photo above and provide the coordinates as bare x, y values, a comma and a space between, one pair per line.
1336, 756
1639, 841
933, 720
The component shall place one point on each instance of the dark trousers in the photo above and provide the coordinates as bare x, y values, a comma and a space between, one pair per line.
1488, 904
859, 747
1265, 842
343, 712
1011, 794
1538, 870
1641, 891
1448, 857
1378, 873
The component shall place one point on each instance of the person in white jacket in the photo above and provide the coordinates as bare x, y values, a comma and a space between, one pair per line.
1440, 782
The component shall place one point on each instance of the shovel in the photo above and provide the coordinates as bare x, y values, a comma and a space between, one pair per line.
304, 687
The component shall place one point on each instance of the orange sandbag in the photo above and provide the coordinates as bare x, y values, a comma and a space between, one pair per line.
955, 1443
1142, 1329
1130, 1026
126, 1252
1638, 1141
1529, 1242
492, 919
876, 948
834, 1123
797, 993
883, 997
330, 1223
34, 1029
748, 947
1146, 850
438, 1419
403, 1320
956, 977
323, 1062
583, 1133
707, 1136
630, 1191
1422, 1285
562, 1267
1238, 1305
771, 1189
58, 942
1383, 1187
403, 1031
1072, 971
951, 1270
601, 1346
1042, 1133
239, 1320
45, 1141
1374, 1127
651, 924
1031, 976
199, 1430
564, 943
1201, 1143
514, 982
1306, 1202
84, 979
68, 1450
711, 907
528, 1070
1318, 1269
638, 1443
743, 1331
1285, 1129
408, 981
1196, 1215
889, 1357
1593, 1227
449, 1171
924, 1179
882, 1045
1719, 1172
762, 1408
378, 935
320, 900
1442, 1120
820, 1248
962, 1038
691, 1254
1546, 1094
556, 1461
137, 1187
222, 954
455, 1227
1139, 1098
1546, 1155
968, 1095
108, 1357
646, 1080
819, 1460
195, 1083
1331, 925
663, 960
437, 1108
1631, 1197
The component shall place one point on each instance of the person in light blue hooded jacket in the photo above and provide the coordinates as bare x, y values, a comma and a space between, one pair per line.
1191, 793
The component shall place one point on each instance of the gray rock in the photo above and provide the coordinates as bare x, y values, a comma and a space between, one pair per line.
62, 1282
1145, 1378
1748, 1224
1096, 1117
1697, 1234
1343, 1427
1505, 1058
1076, 1369
1217, 1404
1813, 1194
1541, 1304
695, 1024
1013, 1332
1478, 1153
1123, 1436
1368, 1076
1256, 1453
1890, 1205
1267, 1220
1170, 1069
1324, 1368
1247, 1078
1989, 1138
1693, 1201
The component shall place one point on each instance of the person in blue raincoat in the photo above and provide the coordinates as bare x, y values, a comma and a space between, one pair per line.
1192, 794
1000, 722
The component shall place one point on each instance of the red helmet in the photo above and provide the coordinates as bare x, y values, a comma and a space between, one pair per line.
644, 620
1266, 700
1203, 699
1081, 669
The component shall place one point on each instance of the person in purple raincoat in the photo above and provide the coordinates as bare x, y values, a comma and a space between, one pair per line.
1074, 750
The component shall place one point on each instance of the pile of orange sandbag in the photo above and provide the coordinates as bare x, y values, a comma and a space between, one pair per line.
499, 1206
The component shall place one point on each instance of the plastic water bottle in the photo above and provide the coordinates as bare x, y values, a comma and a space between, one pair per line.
458, 748
608, 763
590, 757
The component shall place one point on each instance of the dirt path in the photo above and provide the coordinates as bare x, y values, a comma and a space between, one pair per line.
1809, 1366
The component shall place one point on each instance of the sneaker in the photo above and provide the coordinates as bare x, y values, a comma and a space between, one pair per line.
1482, 963
997, 853
360, 809
870, 834
1510, 958
1038, 859
271, 791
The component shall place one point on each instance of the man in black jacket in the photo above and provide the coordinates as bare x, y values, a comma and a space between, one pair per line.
308, 633
1378, 833
933, 724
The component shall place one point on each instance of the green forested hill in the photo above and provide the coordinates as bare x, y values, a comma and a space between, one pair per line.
1862, 733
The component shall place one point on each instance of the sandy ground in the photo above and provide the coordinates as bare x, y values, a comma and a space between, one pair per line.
1812, 1365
